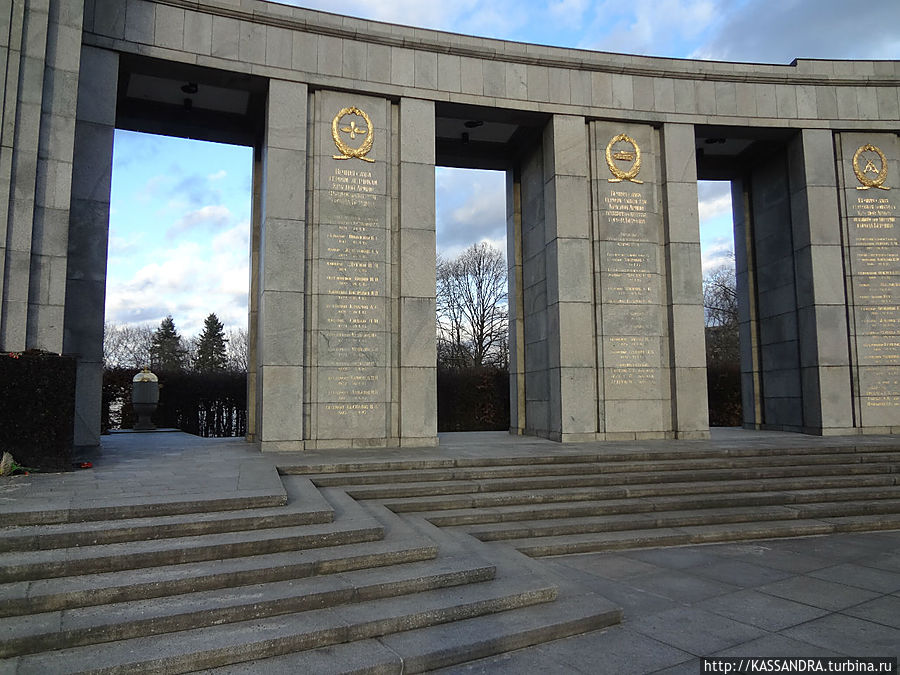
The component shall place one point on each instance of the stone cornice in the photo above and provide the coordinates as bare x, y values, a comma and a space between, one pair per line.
391, 35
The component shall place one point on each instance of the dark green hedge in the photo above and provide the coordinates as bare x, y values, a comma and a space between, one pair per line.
203, 404
723, 382
37, 409
473, 399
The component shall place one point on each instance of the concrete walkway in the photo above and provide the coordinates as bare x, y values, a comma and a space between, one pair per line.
820, 596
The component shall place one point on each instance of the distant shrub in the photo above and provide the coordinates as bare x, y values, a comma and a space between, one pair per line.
723, 381
203, 404
473, 399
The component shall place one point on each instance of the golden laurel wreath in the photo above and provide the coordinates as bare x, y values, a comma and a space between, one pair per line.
635, 167
878, 181
346, 151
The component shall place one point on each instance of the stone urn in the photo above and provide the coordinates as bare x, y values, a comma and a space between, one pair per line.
144, 398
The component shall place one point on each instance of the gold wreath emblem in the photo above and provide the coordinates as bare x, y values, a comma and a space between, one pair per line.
635, 158
878, 181
346, 151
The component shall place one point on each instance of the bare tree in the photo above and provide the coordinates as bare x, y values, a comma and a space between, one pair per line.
720, 297
721, 312
127, 346
238, 350
472, 312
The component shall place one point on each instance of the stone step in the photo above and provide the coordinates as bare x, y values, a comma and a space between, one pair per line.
230, 643
106, 623
569, 494
140, 507
45, 595
670, 536
527, 470
705, 516
308, 508
27, 565
611, 453
451, 487
425, 649
498, 514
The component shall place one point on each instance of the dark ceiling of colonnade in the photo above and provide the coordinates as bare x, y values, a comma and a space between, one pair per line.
725, 153
178, 99
474, 137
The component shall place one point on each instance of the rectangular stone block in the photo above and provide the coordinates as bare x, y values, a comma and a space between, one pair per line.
169, 30
634, 416
417, 334
559, 85
287, 113
140, 21
337, 420
281, 416
418, 393
198, 32
417, 263
281, 316
416, 128
226, 37
448, 72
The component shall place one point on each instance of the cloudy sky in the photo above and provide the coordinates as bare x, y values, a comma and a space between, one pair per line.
179, 227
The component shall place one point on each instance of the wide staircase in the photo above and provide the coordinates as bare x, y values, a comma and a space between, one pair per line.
398, 565
309, 581
668, 496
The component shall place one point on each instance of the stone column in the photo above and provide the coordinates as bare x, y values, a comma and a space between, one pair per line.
50, 229
631, 279
281, 310
748, 314
418, 357
690, 414
570, 293
353, 336
821, 298
868, 169
20, 135
532, 347
89, 234
516, 301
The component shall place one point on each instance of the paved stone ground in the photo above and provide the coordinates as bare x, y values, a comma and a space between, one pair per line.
822, 596
141, 468
835, 595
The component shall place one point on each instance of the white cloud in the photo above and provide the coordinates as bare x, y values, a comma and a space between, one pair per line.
471, 208
568, 12
778, 31
719, 253
218, 175
714, 199
188, 282
655, 27
214, 217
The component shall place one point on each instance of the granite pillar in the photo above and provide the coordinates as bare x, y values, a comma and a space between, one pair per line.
89, 234
868, 166
281, 298
821, 298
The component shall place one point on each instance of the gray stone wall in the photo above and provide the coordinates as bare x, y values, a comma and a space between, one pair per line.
606, 313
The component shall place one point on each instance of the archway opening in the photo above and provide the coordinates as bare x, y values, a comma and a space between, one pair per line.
472, 300
178, 277
720, 304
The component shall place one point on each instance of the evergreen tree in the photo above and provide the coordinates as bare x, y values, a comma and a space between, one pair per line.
166, 352
210, 354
